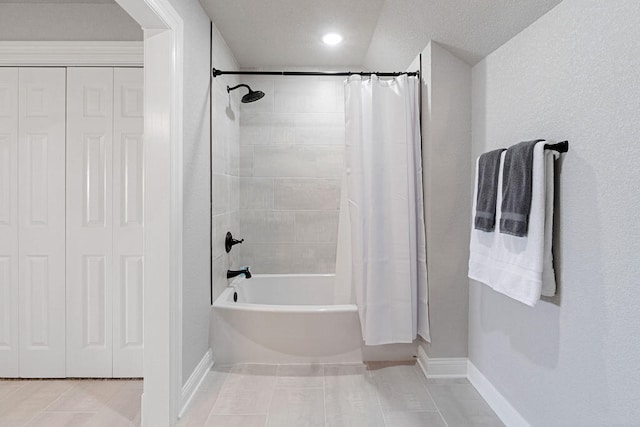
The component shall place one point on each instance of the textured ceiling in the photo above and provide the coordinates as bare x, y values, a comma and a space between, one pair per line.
59, 1
378, 34
471, 29
289, 32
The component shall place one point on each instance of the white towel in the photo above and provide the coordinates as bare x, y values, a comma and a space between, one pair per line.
519, 267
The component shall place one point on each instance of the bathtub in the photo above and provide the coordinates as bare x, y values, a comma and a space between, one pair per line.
286, 318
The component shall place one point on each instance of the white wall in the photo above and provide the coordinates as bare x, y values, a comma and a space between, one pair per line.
63, 22
446, 134
195, 239
292, 161
572, 360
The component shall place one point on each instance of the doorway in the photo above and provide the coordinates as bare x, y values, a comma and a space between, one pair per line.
163, 31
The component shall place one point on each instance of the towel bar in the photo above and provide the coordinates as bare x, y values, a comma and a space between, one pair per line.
560, 147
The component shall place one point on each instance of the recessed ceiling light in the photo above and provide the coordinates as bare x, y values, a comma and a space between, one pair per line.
332, 38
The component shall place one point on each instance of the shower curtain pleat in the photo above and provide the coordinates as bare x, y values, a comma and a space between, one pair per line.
386, 211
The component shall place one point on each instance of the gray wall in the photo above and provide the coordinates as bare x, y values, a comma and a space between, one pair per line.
446, 133
572, 360
195, 239
226, 164
65, 22
292, 161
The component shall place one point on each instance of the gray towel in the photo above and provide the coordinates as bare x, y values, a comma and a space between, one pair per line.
516, 188
488, 169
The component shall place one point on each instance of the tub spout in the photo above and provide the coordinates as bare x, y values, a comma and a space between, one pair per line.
234, 273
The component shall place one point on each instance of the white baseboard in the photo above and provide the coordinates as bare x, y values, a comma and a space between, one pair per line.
192, 385
442, 367
461, 367
501, 406
423, 360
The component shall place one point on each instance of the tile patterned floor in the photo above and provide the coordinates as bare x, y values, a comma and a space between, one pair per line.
55, 403
378, 394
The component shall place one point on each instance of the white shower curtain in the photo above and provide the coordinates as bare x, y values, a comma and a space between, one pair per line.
384, 180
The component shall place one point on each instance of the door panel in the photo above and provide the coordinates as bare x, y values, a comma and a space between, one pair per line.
128, 212
89, 221
9, 283
41, 172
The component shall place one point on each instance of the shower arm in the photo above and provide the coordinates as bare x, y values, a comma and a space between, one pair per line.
229, 89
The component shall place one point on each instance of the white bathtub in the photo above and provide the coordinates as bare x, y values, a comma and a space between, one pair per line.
283, 318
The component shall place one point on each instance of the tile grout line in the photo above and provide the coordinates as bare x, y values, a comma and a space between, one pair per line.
426, 387
384, 419
226, 377
324, 394
73, 385
273, 393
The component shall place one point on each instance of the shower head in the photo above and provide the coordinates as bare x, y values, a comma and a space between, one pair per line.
251, 96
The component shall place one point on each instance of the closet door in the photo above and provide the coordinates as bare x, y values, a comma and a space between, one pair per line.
128, 212
41, 207
89, 222
9, 283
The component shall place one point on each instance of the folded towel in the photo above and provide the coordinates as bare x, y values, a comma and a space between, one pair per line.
518, 267
548, 273
488, 169
516, 188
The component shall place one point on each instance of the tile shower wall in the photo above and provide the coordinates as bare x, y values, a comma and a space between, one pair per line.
226, 167
291, 165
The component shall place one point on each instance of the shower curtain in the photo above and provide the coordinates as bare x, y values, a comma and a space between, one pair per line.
384, 180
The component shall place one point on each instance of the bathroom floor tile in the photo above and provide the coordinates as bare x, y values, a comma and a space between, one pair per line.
254, 370
247, 390
297, 376
51, 403
86, 396
8, 387
235, 420
461, 405
27, 401
350, 397
127, 403
204, 400
446, 381
401, 388
109, 418
61, 419
331, 395
297, 407
242, 401
344, 375
414, 419
324, 395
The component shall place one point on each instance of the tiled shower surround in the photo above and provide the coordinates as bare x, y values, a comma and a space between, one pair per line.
226, 168
291, 165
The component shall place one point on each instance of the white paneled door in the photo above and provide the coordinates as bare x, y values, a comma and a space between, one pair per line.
104, 222
89, 222
9, 282
127, 222
71, 222
41, 195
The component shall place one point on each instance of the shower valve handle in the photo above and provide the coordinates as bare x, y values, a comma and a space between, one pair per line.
229, 241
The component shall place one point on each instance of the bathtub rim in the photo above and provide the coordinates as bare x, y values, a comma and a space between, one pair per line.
224, 301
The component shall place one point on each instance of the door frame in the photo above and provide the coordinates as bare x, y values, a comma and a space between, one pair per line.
163, 192
161, 55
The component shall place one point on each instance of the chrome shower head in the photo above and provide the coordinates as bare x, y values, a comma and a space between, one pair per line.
251, 96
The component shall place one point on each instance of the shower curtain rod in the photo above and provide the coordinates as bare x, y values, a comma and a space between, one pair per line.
215, 73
